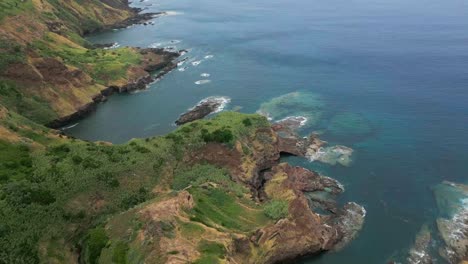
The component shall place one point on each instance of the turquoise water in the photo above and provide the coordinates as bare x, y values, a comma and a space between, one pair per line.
387, 78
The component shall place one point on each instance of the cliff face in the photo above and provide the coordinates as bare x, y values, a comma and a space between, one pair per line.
212, 191
48, 71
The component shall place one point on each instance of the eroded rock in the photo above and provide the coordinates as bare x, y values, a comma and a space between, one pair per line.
203, 108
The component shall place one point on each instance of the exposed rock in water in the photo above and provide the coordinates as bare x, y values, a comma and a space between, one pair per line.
349, 223
419, 254
293, 122
452, 200
203, 108
310, 147
331, 155
103, 45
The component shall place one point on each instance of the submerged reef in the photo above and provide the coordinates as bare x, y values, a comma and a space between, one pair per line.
303, 104
452, 201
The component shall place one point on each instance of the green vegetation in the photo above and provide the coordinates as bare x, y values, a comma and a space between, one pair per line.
95, 242
28, 106
191, 229
223, 135
220, 209
103, 65
211, 252
247, 122
14, 7
16, 162
11, 53
120, 253
277, 209
46, 190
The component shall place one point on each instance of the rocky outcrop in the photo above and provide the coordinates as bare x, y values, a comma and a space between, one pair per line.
303, 232
310, 147
202, 109
137, 19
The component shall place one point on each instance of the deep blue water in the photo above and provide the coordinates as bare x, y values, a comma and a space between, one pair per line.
400, 66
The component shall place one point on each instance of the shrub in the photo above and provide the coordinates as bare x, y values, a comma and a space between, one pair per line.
211, 248
211, 252
119, 254
276, 209
96, 240
131, 199
247, 122
77, 159
22, 193
222, 135
108, 179
89, 162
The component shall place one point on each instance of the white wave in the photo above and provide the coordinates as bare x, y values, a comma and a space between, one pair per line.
222, 100
199, 82
170, 48
175, 41
209, 56
114, 46
155, 45
173, 13
265, 114
196, 63
302, 120
68, 127
205, 75
182, 69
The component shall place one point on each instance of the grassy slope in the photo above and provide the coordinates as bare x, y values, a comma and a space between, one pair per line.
31, 30
54, 190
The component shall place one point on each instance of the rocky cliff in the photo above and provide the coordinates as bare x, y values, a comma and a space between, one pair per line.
50, 74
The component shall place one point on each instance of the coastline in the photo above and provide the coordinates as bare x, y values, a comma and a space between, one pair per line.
164, 67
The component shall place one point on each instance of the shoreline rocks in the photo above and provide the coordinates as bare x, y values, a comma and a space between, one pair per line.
310, 147
137, 19
419, 254
204, 108
452, 200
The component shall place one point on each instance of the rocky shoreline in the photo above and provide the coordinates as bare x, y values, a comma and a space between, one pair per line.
141, 83
138, 19
312, 226
165, 66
